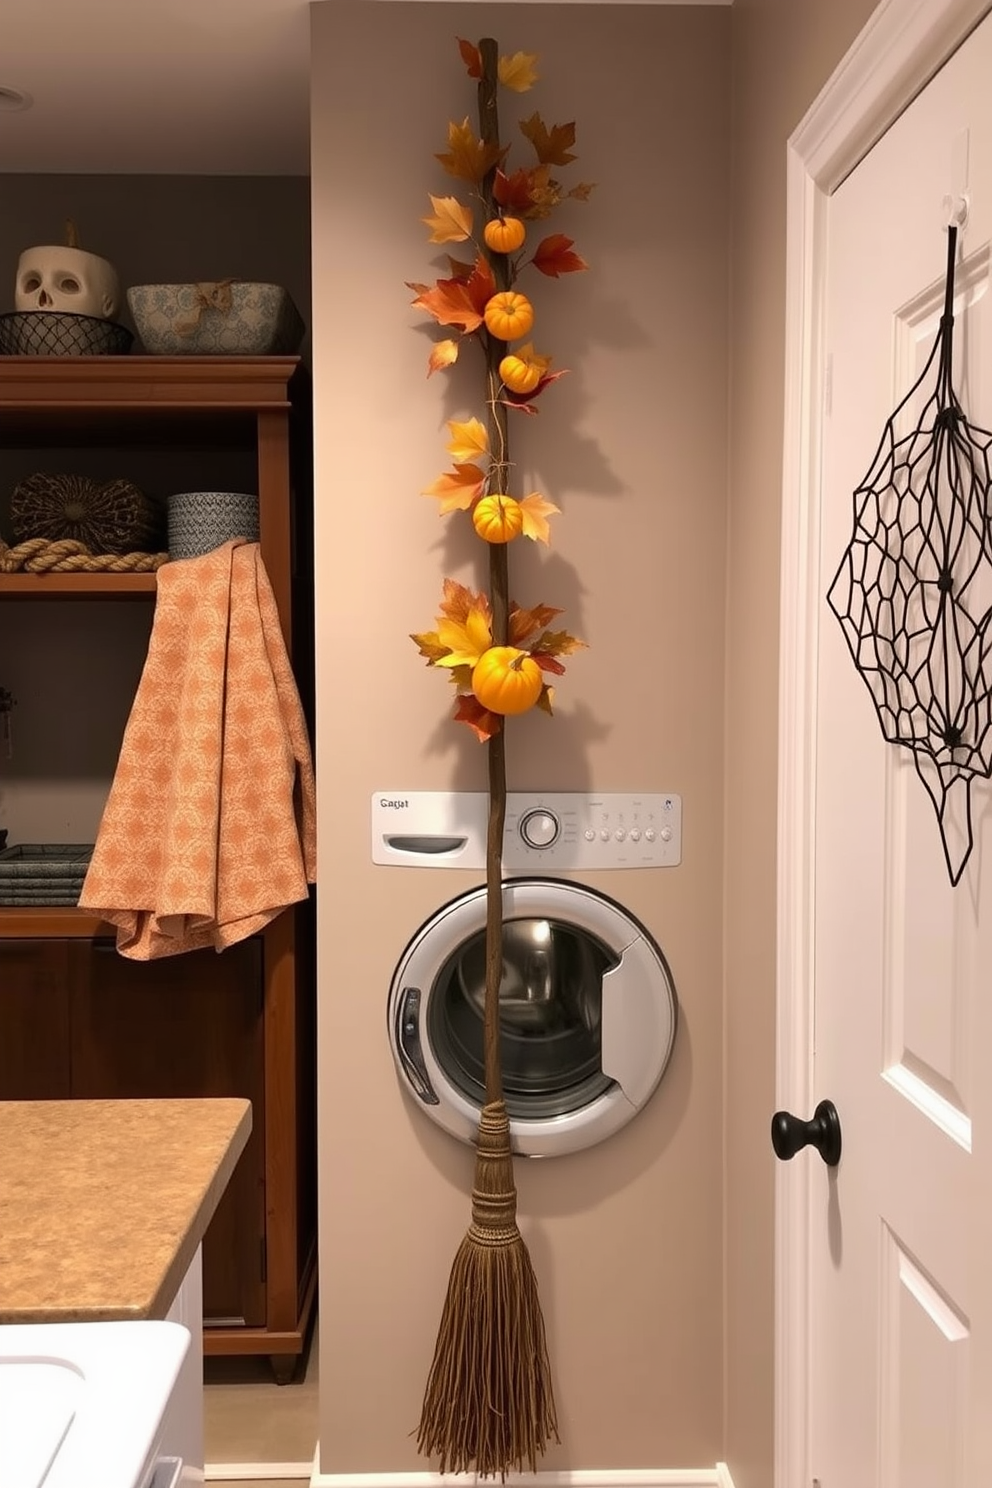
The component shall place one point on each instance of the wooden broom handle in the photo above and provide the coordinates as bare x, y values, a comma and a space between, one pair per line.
499, 585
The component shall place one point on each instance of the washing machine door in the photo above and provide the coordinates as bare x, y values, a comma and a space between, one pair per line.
587, 1015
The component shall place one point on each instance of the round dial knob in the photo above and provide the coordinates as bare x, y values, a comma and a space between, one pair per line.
539, 828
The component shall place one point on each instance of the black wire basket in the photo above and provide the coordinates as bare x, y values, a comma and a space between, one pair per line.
60, 333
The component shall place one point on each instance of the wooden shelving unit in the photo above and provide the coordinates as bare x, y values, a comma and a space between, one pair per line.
260, 1253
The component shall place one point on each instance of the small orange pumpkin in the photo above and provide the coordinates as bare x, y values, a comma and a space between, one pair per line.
498, 518
519, 374
504, 234
506, 680
508, 314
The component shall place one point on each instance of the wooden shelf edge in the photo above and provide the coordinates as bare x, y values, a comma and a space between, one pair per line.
51, 923
144, 382
76, 585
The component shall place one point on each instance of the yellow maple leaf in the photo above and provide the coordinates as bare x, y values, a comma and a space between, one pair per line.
466, 639
451, 223
468, 157
518, 72
468, 440
458, 488
536, 512
429, 645
443, 354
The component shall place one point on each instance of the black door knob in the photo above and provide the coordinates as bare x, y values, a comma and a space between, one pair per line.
790, 1134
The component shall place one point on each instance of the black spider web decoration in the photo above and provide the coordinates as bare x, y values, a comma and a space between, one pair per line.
913, 592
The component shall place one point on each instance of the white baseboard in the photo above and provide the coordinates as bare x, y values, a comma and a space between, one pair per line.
707, 1477
251, 1472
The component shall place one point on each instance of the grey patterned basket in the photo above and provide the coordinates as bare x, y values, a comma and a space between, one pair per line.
200, 521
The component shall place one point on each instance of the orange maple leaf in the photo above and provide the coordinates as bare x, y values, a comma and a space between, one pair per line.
536, 511
468, 441
468, 157
450, 303
557, 643
457, 601
459, 268
552, 146
552, 644
443, 354
523, 623
483, 724
518, 72
451, 222
480, 285
458, 488
553, 256
471, 56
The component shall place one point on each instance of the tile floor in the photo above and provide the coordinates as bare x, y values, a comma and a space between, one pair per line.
251, 1421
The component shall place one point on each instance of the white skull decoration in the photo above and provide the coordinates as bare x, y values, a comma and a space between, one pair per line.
67, 279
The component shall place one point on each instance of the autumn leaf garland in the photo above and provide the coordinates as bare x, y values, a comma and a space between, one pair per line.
480, 301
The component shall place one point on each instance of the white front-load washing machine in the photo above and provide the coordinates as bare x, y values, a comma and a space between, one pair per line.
588, 1015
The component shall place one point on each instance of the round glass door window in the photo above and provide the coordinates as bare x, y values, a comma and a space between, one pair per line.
551, 1013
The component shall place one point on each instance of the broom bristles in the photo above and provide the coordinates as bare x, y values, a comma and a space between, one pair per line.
489, 1402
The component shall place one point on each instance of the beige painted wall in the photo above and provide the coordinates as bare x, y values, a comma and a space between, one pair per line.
626, 1238
783, 53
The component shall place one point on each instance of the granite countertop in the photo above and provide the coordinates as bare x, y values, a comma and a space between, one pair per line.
104, 1202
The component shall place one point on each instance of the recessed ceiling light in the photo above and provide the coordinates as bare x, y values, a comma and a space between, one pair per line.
13, 101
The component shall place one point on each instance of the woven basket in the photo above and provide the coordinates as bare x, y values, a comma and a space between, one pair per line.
200, 521
108, 516
60, 333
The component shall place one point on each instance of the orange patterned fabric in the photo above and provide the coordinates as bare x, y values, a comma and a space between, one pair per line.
209, 831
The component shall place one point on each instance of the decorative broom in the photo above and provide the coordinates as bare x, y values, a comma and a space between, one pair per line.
489, 1401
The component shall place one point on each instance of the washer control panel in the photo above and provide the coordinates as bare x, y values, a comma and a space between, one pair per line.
544, 831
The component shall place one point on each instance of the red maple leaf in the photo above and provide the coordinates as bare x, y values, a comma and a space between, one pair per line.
483, 724
522, 401
472, 57
518, 193
553, 256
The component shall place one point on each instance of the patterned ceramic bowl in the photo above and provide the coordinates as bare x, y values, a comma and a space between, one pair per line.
200, 521
228, 318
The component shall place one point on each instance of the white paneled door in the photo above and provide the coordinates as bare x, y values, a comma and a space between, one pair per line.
901, 1229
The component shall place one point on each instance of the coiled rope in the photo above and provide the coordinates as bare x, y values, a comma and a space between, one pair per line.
66, 555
